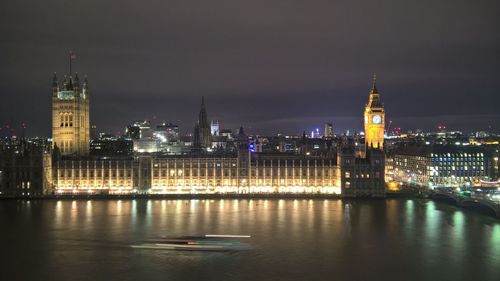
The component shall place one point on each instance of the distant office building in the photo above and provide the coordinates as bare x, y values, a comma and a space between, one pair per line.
228, 133
145, 129
328, 130
70, 116
111, 146
167, 132
214, 127
133, 131
146, 145
168, 139
139, 130
316, 134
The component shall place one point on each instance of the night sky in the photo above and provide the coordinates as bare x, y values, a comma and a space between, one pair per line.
271, 66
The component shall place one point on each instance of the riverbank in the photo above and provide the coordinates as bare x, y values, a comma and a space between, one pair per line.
405, 194
180, 196
212, 196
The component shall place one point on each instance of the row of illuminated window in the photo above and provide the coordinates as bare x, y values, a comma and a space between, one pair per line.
194, 163
440, 155
255, 171
93, 173
89, 165
458, 168
66, 119
90, 183
194, 172
358, 175
183, 182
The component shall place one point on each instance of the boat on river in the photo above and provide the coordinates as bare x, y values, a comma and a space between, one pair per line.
209, 242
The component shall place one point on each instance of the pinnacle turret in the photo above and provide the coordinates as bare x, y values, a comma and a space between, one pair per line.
85, 83
76, 80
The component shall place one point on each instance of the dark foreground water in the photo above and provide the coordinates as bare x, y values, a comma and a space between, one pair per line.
393, 239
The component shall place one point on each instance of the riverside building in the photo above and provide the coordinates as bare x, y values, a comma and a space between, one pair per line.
441, 165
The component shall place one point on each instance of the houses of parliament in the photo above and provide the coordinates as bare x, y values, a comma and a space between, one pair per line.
340, 167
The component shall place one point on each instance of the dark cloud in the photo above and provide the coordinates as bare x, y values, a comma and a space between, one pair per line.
270, 65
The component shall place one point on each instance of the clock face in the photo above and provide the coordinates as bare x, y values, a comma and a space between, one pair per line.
377, 119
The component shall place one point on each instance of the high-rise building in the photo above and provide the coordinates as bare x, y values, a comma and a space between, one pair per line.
139, 130
167, 132
214, 126
133, 131
328, 130
374, 119
70, 115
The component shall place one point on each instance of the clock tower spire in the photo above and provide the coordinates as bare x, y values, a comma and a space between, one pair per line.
374, 119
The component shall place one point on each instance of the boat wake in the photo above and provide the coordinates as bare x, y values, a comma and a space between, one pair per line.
209, 242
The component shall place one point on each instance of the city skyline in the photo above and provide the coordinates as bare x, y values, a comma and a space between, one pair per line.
20, 128
249, 140
312, 62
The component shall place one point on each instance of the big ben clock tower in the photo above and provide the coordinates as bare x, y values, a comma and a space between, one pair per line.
374, 119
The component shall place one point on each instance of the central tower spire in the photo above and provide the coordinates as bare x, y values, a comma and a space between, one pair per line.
204, 127
374, 83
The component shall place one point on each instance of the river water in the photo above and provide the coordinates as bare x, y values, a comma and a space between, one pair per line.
386, 239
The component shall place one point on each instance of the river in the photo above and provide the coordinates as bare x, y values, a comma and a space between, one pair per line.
319, 239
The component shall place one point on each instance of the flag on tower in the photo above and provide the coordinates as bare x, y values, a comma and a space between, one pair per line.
72, 56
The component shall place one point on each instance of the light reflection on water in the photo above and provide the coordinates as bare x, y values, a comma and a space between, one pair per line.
293, 239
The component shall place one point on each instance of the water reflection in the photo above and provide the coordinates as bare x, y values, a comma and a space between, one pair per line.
347, 219
458, 235
494, 237
293, 239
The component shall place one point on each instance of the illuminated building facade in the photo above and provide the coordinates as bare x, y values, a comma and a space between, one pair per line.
70, 116
200, 175
241, 172
96, 176
374, 119
319, 167
328, 131
441, 166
